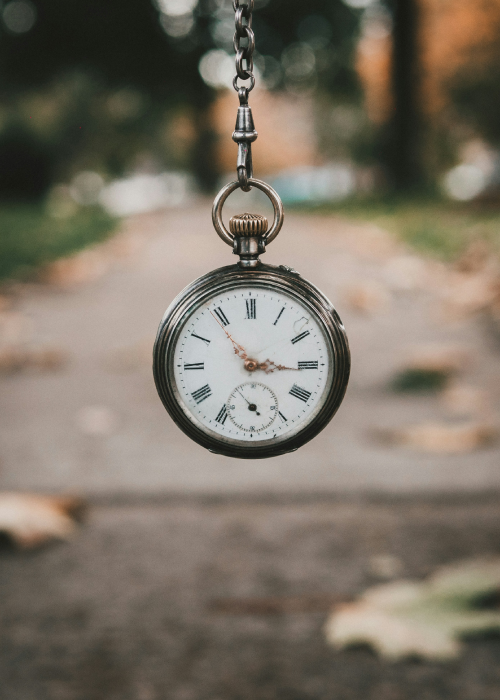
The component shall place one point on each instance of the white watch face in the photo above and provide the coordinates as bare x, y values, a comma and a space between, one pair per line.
252, 365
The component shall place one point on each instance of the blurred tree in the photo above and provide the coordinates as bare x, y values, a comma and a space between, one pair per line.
474, 88
403, 151
96, 48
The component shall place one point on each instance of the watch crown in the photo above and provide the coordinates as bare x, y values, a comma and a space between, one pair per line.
248, 225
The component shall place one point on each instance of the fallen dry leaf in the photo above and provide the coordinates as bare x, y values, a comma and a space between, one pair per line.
385, 566
17, 359
369, 241
367, 297
427, 618
85, 266
133, 357
437, 357
15, 328
5, 302
477, 257
446, 438
465, 400
430, 368
97, 420
406, 272
29, 520
276, 605
468, 293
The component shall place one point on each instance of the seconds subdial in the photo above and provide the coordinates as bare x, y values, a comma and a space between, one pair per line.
252, 407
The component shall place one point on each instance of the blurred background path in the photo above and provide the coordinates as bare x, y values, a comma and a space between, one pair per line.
197, 577
96, 426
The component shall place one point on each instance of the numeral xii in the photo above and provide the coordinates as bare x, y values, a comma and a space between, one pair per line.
251, 308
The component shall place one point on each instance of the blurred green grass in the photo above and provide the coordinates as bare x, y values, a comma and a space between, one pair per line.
30, 237
432, 226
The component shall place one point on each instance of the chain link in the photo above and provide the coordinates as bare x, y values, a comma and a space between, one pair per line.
243, 11
245, 133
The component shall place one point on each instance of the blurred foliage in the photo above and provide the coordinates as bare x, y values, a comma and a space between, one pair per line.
414, 380
30, 237
475, 94
103, 85
440, 228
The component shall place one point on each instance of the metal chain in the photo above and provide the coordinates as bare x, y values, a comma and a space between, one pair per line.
244, 133
242, 12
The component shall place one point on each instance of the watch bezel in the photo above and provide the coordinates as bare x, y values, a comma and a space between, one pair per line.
218, 281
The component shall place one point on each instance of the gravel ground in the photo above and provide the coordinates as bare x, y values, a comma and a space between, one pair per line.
107, 326
168, 600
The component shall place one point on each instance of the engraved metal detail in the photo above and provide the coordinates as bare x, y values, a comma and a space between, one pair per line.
218, 282
248, 225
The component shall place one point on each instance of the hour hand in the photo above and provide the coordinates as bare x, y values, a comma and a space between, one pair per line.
269, 366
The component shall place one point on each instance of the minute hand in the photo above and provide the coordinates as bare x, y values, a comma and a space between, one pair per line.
238, 349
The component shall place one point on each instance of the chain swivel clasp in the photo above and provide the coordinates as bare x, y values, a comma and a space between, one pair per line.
244, 135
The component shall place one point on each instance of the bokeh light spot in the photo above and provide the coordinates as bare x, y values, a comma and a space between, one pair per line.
19, 16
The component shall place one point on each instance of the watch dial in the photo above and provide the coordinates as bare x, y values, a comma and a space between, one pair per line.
252, 365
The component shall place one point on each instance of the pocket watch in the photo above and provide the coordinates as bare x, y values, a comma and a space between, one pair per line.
250, 360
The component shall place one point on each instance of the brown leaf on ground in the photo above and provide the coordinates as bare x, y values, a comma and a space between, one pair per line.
476, 257
438, 358
468, 293
126, 244
133, 357
465, 400
446, 438
18, 359
407, 272
85, 266
492, 319
385, 566
367, 297
29, 520
427, 618
369, 241
15, 328
276, 605
97, 420
430, 368
5, 302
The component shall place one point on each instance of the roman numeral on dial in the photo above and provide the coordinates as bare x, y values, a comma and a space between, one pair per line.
300, 393
222, 415
202, 393
200, 338
309, 364
251, 308
278, 318
284, 420
300, 336
221, 316
195, 365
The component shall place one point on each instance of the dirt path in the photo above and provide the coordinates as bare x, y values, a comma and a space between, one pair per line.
171, 601
97, 426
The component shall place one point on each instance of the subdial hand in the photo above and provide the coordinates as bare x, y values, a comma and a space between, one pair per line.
238, 349
251, 406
